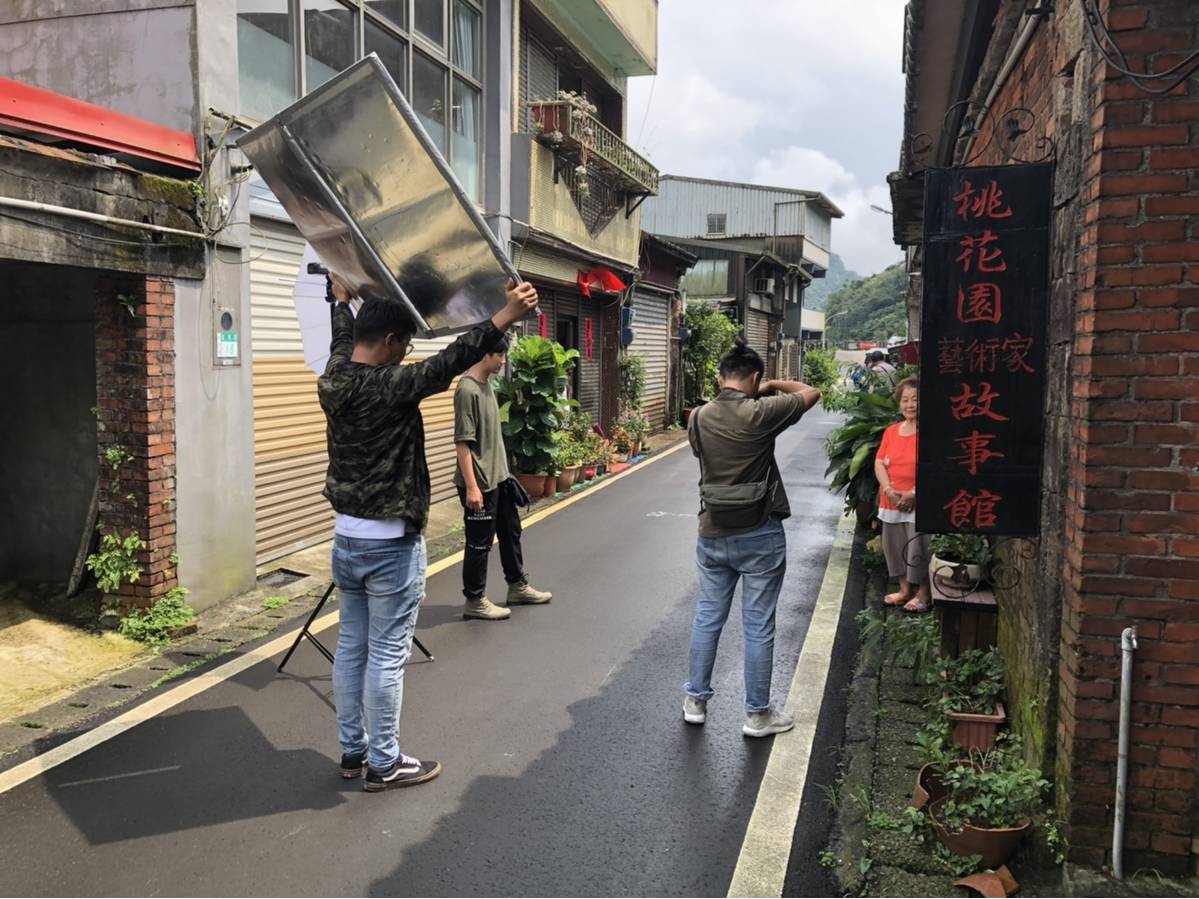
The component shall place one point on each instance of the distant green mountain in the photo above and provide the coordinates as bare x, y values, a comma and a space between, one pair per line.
817, 294
869, 308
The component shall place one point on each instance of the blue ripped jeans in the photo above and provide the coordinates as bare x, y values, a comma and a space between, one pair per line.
380, 585
758, 560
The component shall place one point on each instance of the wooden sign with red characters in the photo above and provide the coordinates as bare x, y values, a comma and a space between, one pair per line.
982, 349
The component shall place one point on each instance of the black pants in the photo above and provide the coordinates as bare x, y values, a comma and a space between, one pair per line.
499, 515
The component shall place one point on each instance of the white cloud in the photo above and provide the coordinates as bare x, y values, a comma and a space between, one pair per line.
798, 93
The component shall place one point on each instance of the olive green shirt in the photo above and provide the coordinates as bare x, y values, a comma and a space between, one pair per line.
477, 424
737, 434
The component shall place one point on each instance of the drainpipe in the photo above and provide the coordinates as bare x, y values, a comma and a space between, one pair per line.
1009, 65
86, 216
1128, 645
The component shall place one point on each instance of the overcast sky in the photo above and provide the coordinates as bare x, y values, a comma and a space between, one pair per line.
793, 93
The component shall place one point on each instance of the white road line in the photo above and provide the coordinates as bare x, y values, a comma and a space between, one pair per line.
156, 705
762, 865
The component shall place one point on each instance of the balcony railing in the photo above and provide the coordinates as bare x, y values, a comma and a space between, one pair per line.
569, 130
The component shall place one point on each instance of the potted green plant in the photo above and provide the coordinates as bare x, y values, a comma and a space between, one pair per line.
960, 560
632, 423
570, 459
622, 442
532, 407
989, 805
970, 698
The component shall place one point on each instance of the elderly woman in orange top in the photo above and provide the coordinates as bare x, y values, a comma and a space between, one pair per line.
895, 468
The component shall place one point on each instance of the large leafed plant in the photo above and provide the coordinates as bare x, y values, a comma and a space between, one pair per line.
533, 408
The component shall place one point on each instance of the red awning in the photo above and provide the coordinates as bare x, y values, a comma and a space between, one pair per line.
31, 110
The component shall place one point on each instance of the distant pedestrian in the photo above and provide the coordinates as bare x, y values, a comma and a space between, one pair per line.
895, 467
378, 484
883, 370
488, 494
742, 507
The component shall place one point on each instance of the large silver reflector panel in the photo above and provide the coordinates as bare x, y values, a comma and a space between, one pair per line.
365, 185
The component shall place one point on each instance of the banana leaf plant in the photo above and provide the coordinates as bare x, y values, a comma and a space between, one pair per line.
851, 448
533, 408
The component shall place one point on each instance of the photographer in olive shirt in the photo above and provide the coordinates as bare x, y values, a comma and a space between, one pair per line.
741, 538
488, 493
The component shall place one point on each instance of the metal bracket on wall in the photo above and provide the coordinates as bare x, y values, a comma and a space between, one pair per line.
629, 210
1012, 133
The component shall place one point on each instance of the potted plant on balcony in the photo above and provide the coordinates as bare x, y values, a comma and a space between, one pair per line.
532, 410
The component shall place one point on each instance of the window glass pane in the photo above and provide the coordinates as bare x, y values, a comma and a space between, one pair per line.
429, 18
428, 96
466, 147
266, 58
389, 9
392, 51
328, 40
466, 40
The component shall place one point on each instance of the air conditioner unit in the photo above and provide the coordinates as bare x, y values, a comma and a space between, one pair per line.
764, 286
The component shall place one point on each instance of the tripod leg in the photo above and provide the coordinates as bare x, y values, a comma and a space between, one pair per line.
307, 624
421, 647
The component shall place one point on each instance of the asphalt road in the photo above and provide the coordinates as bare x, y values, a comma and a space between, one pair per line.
568, 769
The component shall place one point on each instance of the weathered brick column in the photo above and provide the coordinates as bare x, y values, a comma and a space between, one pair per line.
135, 389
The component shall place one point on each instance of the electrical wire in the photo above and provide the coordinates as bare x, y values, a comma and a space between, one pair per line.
1119, 62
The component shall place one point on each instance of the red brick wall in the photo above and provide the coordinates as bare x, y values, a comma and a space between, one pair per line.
1130, 541
135, 389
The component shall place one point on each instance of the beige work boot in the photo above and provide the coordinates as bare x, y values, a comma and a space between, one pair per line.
521, 594
485, 609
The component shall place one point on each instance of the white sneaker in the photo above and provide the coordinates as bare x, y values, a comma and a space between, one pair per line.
695, 711
484, 608
766, 722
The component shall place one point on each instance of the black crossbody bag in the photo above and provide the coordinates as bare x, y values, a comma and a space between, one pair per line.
732, 506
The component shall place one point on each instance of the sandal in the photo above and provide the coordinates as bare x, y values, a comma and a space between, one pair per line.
896, 599
918, 604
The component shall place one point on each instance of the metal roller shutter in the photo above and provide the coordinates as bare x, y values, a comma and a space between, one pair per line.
289, 426
651, 341
757, 332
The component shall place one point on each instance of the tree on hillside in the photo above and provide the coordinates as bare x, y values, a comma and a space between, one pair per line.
869, 308
816, 295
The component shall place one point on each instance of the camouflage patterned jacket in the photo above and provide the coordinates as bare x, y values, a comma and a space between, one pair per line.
374, 430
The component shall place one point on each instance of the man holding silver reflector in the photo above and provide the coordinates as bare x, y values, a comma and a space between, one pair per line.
378, 484
381, 208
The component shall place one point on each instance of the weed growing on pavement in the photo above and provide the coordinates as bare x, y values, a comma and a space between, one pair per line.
866, 862
275, 602
828, 859
154, 625
1055, 840
176, 673
957, 865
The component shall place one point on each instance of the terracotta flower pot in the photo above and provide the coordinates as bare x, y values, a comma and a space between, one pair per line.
567, 479
995, 846
588, 472
974, 732
534, 485
636, 451
551, 484
928, 787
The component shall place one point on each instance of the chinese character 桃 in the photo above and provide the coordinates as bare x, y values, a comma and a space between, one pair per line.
984, 202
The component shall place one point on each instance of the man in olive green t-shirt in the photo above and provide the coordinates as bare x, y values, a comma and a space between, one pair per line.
487, 493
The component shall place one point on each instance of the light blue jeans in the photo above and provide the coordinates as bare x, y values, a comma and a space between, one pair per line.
380, 584
759, 560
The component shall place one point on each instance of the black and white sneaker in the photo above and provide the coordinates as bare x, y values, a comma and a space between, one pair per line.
406, 772
353, 766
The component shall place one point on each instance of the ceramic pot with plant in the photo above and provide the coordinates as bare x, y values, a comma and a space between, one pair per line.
532, 409
570, 459
622, 442
989, 805
970, 699
960, 560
